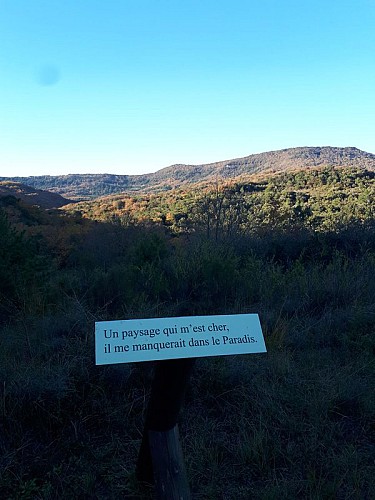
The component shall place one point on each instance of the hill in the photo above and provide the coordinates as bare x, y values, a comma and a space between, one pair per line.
32, 196
269, 162
320, 198
92, 185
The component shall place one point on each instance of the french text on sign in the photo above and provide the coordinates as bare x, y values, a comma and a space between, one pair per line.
129, 341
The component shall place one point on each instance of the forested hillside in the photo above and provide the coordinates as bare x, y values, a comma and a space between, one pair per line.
298, 248
32, 196
88, 186
318, 199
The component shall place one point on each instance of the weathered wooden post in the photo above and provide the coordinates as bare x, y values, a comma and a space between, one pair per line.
160, 457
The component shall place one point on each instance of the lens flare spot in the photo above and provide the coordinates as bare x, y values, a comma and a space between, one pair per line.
48, 75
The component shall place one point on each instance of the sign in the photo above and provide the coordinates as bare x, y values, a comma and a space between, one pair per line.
129, 341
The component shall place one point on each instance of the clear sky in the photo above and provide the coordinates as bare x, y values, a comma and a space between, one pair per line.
132, 86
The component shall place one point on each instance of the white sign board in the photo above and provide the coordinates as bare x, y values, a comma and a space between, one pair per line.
129, 341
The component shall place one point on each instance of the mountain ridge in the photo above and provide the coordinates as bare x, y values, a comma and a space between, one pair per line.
86, 186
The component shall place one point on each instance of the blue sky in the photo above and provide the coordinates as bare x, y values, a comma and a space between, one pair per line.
132, 86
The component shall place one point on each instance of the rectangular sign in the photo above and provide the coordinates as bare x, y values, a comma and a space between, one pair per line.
130, 341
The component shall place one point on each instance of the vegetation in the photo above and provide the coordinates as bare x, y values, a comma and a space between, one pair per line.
325, 199
297, 422
88, 186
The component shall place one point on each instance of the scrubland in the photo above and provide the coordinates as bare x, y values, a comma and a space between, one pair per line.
297, 422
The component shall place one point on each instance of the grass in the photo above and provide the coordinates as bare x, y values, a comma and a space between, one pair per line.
297, 422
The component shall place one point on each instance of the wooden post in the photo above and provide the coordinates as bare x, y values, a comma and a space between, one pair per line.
168, 465
167, 394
